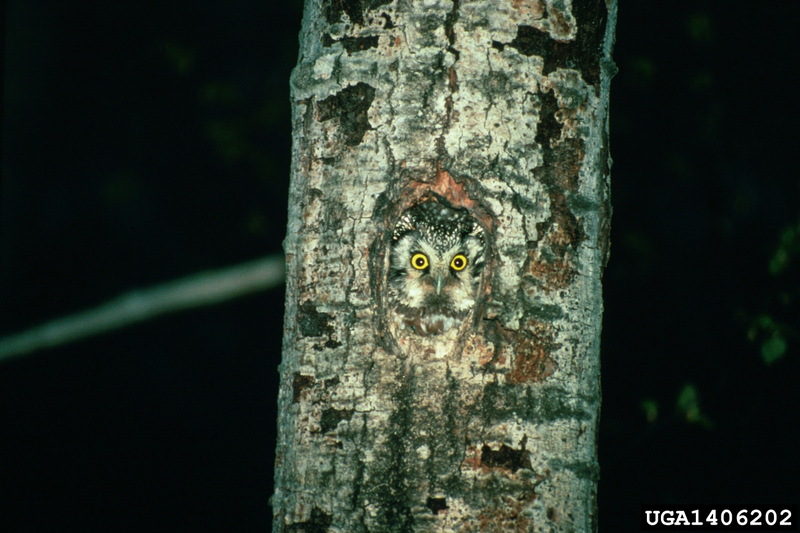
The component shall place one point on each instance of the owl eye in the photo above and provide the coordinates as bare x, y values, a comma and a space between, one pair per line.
419, 261
459, 262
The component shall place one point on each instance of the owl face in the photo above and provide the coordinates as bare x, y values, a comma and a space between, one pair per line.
437, 257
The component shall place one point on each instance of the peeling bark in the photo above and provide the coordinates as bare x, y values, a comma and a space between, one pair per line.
499, 108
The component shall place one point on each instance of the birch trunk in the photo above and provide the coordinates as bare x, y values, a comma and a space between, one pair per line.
499, 107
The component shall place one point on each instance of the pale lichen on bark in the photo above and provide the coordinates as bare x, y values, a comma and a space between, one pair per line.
500, 107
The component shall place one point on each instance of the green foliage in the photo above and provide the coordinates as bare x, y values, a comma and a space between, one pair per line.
770, 335
773, 348
688, 406
650, 408
787, 250
776, 325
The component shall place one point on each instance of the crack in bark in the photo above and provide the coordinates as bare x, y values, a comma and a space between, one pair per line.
300, 383
330, 418
452, 77
350, 106
319, 522
506, 457
351, 44
551, 261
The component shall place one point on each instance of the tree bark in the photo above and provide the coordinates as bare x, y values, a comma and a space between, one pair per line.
500, 108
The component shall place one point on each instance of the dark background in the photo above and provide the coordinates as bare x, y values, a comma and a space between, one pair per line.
143, 141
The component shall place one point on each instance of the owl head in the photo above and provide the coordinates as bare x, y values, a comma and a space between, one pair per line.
437, 256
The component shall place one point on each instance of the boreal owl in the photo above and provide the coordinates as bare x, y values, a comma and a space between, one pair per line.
437, 256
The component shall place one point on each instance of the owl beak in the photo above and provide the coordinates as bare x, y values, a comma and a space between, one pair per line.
438, 284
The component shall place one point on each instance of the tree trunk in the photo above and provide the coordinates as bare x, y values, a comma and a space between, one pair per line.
495, 110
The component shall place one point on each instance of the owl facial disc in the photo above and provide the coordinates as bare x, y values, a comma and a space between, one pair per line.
437, 257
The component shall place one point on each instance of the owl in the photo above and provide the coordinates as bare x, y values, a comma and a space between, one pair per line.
437, 256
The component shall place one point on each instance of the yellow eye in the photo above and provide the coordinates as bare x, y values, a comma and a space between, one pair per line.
419, 261
459, 262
